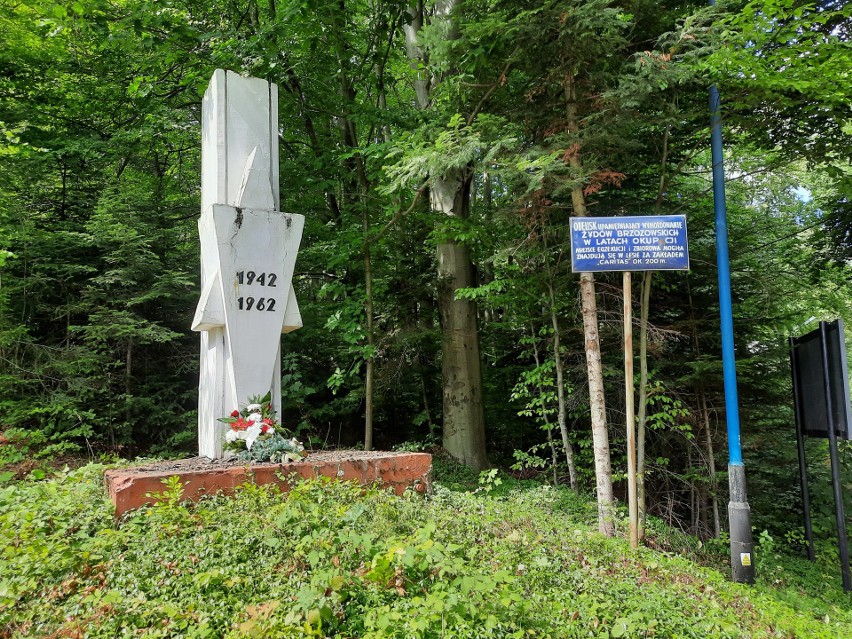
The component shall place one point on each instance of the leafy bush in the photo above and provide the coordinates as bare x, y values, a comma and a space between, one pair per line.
339, 560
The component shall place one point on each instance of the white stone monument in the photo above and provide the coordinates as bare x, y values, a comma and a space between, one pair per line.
248, 253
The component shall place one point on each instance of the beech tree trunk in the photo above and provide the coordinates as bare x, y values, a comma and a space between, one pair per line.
464, 417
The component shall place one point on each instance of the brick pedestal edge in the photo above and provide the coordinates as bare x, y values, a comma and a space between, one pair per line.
129, 487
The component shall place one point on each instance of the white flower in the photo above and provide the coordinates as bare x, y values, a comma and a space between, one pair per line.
231, 436
252, 407
270, 430
255, 417
252, 433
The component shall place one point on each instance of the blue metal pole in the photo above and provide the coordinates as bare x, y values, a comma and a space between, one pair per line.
739, 513
729, 366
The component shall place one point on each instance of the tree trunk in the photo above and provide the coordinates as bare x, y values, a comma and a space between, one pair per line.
357, 186
641, 416
597, 406
464, 418
641, 422
368, 310
705, 412
416, 54
711, 462
693, 496
569, 451
128, 380
560, 392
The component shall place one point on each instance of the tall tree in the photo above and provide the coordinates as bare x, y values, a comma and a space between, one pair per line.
449, 195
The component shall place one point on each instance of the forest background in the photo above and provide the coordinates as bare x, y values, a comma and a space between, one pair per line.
437, 150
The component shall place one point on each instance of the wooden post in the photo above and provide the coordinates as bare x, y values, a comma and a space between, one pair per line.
632, 504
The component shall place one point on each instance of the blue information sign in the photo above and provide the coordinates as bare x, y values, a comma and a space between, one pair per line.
634, 243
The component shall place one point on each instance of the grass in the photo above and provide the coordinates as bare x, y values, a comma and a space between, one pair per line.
510, 559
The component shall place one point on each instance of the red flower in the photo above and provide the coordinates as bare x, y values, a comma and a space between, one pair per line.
264, 429
236, 413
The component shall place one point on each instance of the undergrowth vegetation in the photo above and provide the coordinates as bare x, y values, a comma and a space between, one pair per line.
330, 559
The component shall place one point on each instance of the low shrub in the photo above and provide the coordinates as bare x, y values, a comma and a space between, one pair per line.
332, 559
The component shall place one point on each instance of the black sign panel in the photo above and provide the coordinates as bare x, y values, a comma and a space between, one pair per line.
809, 381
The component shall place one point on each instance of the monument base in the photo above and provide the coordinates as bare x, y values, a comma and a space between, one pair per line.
130, 488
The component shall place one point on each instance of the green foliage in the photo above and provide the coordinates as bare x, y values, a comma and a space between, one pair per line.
793, 56
489, 480
333, 559
99, 129
276, 449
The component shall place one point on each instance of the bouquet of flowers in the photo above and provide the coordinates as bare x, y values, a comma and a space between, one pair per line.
256, 435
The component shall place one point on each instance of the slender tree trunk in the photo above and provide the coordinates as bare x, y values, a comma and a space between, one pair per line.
357, 186
708, 435
597, 406
426, 408
693, 501
711, 462
368, 310
641, 421
128, 379
67, 323
569, 451
560, 391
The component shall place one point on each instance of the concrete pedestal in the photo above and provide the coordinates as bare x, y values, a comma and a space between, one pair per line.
128, 487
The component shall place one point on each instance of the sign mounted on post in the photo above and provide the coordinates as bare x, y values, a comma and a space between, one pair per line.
821, 401
810, 381
634, 243
631, 243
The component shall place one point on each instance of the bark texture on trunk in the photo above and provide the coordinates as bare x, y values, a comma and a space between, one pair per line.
368, 310
597, 406
464, 418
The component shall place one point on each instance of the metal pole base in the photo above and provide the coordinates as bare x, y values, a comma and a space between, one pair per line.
739, 519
